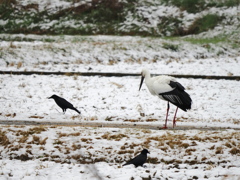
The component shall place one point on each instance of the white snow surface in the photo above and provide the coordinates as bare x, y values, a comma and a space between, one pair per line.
100, 98
86, 153
117, 54
183, 154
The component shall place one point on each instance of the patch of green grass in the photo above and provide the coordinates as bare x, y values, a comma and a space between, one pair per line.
7, 2
214, 40
172, 47
220, 40
191, 6
223, 3
204, 23
194, 6
170, 25
226, 39
25, 38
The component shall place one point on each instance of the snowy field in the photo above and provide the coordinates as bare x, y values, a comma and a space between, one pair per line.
116, 99
73, 152
118, 54
88, 153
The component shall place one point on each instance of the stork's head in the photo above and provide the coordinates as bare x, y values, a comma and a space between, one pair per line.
144, 73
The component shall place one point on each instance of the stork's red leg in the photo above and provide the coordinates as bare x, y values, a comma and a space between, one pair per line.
174, 119
168, 107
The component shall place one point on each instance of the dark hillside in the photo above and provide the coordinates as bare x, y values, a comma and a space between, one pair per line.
118, 17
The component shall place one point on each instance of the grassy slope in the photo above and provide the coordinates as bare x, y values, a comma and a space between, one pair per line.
130, 17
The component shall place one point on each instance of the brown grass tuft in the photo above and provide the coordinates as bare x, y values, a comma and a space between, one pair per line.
234, 151
23, 139
125, 151
58, 142
87, 140
153, 160
131, 120
36, 117
189, 151
10, 115
19, 65
219, 150
34, 130
116, 137
37, 129
43, 141
184, 145
151, 120
227, 144
212, 147
23, 157
60, 135
76, 147
76, 157
4, 141
164, 148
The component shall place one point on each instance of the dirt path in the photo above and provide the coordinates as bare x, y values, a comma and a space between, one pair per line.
110, 125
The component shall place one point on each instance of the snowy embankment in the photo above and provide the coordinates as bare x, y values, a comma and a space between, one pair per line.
122, 17
117, 54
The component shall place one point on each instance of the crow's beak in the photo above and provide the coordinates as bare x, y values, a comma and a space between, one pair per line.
49, 97
141, 82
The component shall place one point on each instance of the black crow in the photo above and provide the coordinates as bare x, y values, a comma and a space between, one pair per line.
63, 103
139, 160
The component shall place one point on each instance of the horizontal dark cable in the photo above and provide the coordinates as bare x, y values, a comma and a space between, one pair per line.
111, 74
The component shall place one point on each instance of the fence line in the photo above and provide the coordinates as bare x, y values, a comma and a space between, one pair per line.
116, 74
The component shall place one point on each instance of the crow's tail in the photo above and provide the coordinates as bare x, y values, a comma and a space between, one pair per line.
127, 163
76, 110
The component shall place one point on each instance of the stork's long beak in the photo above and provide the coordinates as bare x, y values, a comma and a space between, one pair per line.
141, 82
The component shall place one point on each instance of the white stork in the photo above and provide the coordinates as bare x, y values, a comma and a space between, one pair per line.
168, 89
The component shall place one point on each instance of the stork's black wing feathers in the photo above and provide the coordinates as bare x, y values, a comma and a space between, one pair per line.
178, 96
177, 85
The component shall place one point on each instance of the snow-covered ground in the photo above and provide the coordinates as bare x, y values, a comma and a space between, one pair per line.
55, 152
117, 99
69, 152
117, 54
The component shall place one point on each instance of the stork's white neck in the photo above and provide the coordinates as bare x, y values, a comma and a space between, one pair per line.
148, 80
146, 73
